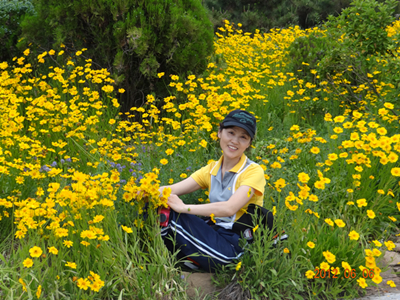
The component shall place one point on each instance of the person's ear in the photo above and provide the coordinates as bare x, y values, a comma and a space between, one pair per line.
219, 133
249, 144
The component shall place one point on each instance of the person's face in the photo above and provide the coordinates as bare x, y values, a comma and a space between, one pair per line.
234, 141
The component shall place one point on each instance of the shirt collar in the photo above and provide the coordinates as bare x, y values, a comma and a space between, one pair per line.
237, 168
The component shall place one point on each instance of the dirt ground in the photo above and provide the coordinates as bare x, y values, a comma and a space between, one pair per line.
391, 260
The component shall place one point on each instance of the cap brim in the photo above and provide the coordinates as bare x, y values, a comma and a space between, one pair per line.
243, 126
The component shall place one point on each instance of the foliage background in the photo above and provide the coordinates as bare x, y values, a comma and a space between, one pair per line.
71, 163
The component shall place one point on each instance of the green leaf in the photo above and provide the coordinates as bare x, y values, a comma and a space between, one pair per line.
2, 258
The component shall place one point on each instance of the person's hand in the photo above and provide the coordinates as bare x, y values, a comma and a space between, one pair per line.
176, 204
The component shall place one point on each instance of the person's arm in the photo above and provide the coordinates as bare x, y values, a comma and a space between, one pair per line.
183, 187
219, 209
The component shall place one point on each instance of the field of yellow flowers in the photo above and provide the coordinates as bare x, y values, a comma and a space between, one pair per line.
79, 180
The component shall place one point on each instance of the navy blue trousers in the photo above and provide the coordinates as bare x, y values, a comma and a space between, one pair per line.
208, 246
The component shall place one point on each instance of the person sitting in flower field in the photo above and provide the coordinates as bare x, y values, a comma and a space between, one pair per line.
234, 182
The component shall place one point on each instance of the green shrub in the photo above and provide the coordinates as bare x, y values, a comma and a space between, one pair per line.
364, 24
346, 51
267, 14
11, 13
134, 39
306, 52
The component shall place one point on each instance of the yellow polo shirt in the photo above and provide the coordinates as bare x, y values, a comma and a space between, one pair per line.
245, 172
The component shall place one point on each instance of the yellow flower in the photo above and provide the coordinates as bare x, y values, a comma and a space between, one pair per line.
238, 266
315, 150
169, 151
39, 291
71, 265
311, 245
390, 245
370, 214
163, 161
21, 281
166, 192
160, 74
310, 274
28, 263
98, 218
346, 266
35, 251
392, 218
340, 223
97, 285
126, 229
183, 175
255, 228
354, 235
368, 252
319, 185
212, 218
203, 143
362, 283
286, 250
83, 284
358, 168
362, 202
53, 250
276, 165
68, 244
330, 257
377, 243
391, 283
303, 177
324, 266
338, 119
376, 252
329, 222
332, 156
377, 279
381, 131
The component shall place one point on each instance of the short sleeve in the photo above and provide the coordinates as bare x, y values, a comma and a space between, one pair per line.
254, 177
203, 177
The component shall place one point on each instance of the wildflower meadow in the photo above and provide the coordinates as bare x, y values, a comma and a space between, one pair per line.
79, 179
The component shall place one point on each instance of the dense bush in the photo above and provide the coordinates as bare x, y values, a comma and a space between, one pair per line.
364, 24
11, 13
135, 40
267, 14
347, 48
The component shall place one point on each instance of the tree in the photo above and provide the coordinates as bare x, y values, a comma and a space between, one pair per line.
134, 39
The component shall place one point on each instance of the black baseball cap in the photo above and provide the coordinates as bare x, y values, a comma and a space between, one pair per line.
242, 119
